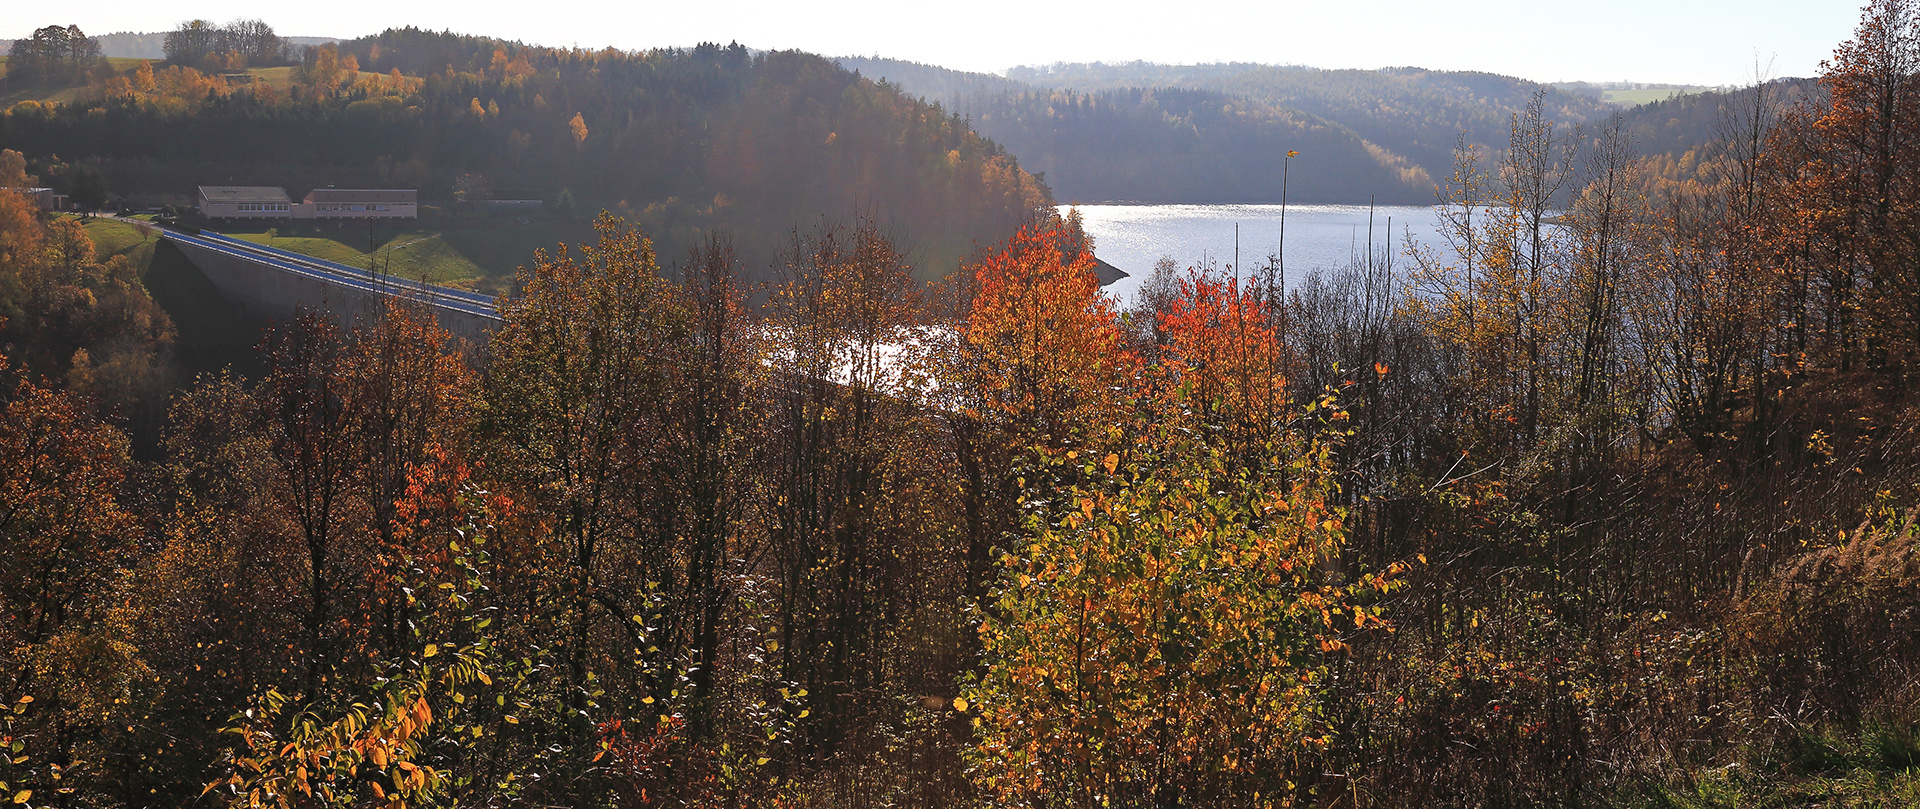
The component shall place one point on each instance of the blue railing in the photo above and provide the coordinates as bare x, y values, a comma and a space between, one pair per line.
350, 277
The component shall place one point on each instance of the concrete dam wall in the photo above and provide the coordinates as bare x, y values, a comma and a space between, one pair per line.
268, 283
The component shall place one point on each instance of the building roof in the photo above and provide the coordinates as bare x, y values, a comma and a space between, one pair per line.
243, 193
362, 195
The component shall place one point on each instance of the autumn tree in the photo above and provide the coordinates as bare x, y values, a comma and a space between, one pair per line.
54, 55
65, 534
1850, 167
576, 405
851, 521
716, 421
310, 416
410, 383
1036, 359
1160, 637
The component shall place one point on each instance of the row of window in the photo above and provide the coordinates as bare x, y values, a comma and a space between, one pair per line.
336, 206
281, 207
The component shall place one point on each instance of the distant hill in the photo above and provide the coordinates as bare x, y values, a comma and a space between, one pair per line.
1629, 94
153, 45
1216, 133
1160, 145
1411, 113
931, 82
1677, 125
682, 141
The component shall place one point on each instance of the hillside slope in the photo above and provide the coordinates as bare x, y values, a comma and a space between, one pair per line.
1136, 142
1413, 113
681, 141
1216, 133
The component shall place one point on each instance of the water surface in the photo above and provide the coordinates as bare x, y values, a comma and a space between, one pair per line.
1133, 237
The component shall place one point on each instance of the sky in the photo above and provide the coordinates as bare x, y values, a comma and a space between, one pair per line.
1708, 42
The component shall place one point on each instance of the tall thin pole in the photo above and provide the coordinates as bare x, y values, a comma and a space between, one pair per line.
1369, 238
1286, 167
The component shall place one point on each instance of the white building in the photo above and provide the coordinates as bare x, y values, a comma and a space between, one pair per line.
359, 203
244, 202
43, 197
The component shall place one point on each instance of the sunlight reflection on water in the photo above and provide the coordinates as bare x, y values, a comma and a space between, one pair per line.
1133, 237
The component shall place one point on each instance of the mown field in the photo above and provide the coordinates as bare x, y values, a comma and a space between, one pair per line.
279, 78
1634, 98
480, 259
15, 95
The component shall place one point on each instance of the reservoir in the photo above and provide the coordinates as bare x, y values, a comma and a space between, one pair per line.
1133, 237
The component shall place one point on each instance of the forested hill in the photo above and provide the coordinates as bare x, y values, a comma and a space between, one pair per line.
1190, 133
1672, 128
153, 45
1163, 144
680, 140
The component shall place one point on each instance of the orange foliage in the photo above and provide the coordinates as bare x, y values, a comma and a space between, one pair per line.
1223, 345
1044, 346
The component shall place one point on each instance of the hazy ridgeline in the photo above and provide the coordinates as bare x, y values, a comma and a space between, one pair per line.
1216, 133
682, 141
1598, 498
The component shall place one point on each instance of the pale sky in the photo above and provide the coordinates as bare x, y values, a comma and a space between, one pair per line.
1709, 42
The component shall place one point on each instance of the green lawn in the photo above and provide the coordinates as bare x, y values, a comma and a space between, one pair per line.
1634, 98
480, 259
118, 238
281, 78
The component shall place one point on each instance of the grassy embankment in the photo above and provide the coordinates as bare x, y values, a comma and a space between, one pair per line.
213, 336
480, 259
1877, 767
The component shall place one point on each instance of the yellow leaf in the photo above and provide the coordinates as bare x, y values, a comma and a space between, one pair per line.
22, 796
1111, 463
960, 704
432, 649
